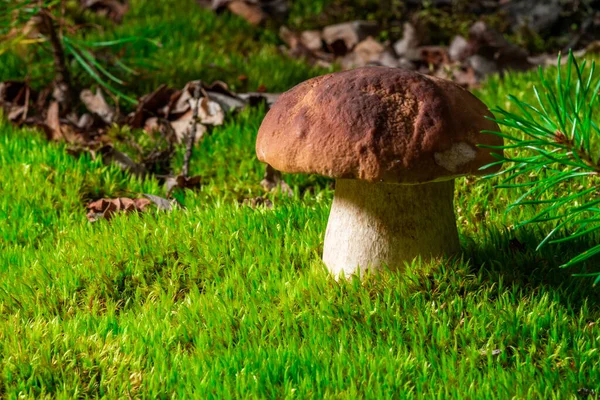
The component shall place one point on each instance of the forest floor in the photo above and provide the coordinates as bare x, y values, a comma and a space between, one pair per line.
221, 298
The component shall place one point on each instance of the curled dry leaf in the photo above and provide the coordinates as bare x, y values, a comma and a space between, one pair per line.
110, 155
14, 99
96, 104
254, 11
250, 12
162, 203
113, 9
106, 208
341, 38
58, 131
210, 112
182, 182
151, 105
407, 47
369, 51
182, 127
273, 179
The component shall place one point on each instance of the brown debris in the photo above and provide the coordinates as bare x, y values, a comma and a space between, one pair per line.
273, 180
112, 9
342, 38
250, 12
106, 208
96, 104
491, 45
150, 105
14, 99
110, 155
466, 61
253, 11
259, 201
182, 182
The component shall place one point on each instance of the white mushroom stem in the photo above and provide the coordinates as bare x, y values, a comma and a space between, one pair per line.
376, 224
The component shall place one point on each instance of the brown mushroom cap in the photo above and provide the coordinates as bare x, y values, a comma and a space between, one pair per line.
378, 124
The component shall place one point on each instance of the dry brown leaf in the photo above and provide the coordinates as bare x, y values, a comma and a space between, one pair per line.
369, 51
434, 55
182, 127
106, 208
14, 99
459, 48
210, 112
182, 182
341, 38
255, 98
110, 155
490, 44
407, 47
151, 105
312, 40
250, 12
160, 202
113, 9
96, 104
273, 180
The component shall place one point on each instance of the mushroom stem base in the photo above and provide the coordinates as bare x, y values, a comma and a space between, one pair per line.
372, 225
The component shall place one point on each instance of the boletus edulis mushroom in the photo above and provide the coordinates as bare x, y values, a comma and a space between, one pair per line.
394, 140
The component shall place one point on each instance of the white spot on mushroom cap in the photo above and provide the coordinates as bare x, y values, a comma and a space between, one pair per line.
459, 154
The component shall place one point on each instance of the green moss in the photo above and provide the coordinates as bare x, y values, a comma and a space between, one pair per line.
220, 300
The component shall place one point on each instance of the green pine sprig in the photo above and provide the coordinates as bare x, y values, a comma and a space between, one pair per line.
555, 160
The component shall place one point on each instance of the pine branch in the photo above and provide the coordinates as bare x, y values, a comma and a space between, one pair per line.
556, 151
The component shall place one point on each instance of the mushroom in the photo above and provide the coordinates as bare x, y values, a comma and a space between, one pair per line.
394, 140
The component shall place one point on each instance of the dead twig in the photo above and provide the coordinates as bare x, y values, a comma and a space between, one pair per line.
192, 135
63, 91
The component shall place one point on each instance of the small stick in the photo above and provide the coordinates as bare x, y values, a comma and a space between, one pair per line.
192, 136
62, 78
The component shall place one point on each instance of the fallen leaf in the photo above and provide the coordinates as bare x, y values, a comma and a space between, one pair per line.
160, 202
369, 51
96, 104
106, 208
312, 40
434, 55
459, 48
491, 45
14, 99
273, 180
210, 112
255, 98
110, 155
482, 66
341, 38
182, 127
151, 105
113, 9
182, 182
272, 8
407, 47
55, 131
250, 12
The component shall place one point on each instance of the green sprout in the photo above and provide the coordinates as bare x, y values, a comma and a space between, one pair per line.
556, 161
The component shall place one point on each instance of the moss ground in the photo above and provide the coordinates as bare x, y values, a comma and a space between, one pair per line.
220, 300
